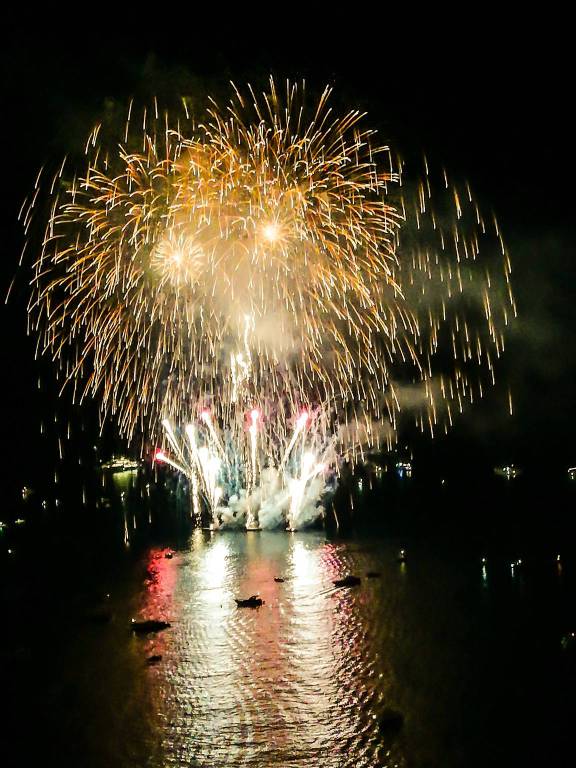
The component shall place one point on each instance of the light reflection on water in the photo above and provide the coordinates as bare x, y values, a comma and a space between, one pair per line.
295, 682
444, 638
463, 647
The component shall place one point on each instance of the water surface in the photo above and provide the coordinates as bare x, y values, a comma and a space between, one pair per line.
469, 653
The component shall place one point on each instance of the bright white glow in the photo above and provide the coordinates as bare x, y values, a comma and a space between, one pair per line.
256, 489
307, 462
271, 232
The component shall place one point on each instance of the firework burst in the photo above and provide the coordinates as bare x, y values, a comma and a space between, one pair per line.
264, 252
257, 471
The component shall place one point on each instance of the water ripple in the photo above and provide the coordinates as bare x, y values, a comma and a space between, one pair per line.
297, 682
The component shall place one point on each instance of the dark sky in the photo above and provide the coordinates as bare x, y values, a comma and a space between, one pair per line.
490, 102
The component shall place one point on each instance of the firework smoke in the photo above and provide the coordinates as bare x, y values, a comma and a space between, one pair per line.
264, 259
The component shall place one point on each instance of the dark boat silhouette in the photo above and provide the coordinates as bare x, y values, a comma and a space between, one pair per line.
250, 602
150, 625
347, 581
279, 579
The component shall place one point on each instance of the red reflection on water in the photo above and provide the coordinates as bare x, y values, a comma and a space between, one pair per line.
268, 666
157, 598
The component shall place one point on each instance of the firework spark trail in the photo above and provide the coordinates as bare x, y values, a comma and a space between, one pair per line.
171, 255
280, 494
266, 252
300, 425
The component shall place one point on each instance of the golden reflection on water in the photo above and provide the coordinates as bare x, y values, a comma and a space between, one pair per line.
213, 568
291, 683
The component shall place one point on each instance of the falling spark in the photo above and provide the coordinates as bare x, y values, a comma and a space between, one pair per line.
264, 252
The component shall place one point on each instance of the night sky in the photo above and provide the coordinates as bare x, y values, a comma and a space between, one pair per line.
490, 103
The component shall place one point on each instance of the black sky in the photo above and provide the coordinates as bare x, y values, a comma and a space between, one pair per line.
490, 102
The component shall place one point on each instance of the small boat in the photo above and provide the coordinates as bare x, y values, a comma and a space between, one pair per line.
347, 581
402, 556
150, 625
250, 602
279, 579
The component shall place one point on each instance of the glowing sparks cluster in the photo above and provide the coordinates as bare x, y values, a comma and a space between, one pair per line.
252, 474
265, 252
